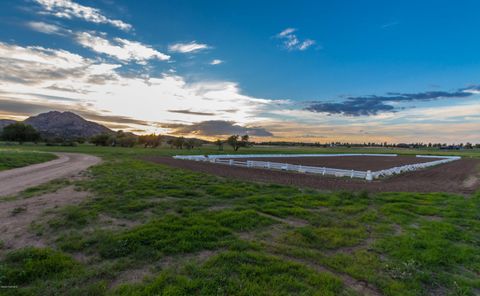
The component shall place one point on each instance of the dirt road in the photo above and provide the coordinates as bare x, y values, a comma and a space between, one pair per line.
67, 164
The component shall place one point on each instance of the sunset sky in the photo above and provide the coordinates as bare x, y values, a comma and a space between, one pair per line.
356, 71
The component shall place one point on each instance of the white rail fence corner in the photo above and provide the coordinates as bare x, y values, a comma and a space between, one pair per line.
368, 175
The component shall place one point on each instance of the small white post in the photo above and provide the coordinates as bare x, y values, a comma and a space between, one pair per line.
230, 162
369, 176
268, 165
351, 175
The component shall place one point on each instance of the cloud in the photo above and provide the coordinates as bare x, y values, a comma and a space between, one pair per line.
122, 49
192, 112
187, 47
66, 89
287, 32
216, 62
45, 28
291, 42
69, 9
373, 105
62, 79
306, 44
390, 24
32, 65
213, 128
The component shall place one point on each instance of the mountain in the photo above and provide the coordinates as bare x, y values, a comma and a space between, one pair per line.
5, 122
66, 125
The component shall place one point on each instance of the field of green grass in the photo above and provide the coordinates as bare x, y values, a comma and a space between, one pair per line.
10, 159
150, 229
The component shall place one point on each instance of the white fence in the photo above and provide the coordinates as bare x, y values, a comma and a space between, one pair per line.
367, 175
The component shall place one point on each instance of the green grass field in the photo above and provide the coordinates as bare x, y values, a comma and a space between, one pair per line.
10, 159
187, 233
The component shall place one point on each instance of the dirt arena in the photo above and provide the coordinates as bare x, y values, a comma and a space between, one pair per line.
461, 176
359, 163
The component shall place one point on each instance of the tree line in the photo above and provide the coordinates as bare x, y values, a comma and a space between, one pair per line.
21, 133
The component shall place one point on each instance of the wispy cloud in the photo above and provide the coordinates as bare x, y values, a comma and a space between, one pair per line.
188, 47
216, 62
373, 105
45, 28
33, 65
390, 24
122, 49
290, 40
190, 112
69, 10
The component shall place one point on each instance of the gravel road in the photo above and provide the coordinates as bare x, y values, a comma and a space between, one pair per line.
67, 164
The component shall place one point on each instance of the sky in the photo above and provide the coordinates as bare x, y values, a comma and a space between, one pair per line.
309, 71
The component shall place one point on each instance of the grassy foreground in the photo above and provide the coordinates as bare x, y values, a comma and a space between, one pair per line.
10, 159
153, 230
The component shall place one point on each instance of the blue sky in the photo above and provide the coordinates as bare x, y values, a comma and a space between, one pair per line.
279, 70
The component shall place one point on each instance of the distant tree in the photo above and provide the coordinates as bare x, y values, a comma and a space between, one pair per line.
179, 142
219, 143
189, 144
236, 142
123, 139
80, 140
150, 141
101, 140
245, 141
20, 132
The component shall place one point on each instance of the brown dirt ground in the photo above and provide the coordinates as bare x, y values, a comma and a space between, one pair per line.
450, 177
15, 226
361, 163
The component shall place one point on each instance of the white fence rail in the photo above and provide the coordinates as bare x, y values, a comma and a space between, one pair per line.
202, 157
368, 175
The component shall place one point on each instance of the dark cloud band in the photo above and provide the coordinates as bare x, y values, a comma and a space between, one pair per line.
372, 105
216, 128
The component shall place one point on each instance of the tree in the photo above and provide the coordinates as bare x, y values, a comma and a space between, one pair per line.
125, 139
179, 142
245, 142
189, 143
150, 141
101, 140
219, 143
236, 142
20, 132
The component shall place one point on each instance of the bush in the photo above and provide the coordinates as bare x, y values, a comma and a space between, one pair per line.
30, 264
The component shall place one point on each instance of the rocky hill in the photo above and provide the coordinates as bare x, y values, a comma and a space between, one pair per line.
66, 125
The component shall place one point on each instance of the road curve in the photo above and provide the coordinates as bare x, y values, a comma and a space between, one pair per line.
66, 165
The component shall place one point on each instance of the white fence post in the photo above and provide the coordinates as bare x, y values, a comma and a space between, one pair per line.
369, 176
